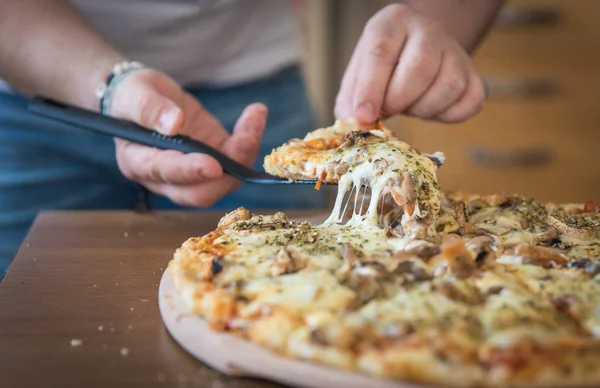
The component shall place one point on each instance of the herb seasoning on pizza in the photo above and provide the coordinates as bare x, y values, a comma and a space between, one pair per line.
412, 284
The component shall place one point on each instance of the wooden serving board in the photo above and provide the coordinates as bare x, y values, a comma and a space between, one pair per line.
234, 356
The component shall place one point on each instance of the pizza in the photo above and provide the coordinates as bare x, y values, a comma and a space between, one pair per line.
404, 281
356, 157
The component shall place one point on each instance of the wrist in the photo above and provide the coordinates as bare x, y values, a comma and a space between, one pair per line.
99, 75
104, 90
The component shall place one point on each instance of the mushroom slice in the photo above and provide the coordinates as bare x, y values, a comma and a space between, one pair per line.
379, 166
461, 213
239, 214
350, 258
461, 292
366, 288
422, 249
415, 272
482, 248
540, 256
362, 277
410, 188
480, 243
545, 238
335, 169
398, 195
464, 227
346, 144
405, 194
392, 218
581, 226
341, 168
379, 133
363, 137
288, 260
458, 258
372, 268
367, 281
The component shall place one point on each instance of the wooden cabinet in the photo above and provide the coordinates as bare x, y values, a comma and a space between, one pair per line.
539, 133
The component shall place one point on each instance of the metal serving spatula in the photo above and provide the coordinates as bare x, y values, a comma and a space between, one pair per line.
92, 121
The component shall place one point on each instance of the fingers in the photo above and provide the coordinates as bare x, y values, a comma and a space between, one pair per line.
405, 63
417, 69
194, 179
243, 146
382, 42
447, 88
201, 124
343, 102
145, 164
469, 104
155, 101
145, 106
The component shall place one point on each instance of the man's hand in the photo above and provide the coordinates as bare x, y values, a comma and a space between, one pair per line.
153, 100
79, 59
405, 63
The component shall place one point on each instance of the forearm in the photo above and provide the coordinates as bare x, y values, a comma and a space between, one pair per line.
52, 51
466, 20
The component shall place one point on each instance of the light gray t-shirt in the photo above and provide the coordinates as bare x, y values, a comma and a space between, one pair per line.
217, 42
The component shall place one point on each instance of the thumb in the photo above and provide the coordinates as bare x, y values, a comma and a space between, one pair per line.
244, 143
148, 108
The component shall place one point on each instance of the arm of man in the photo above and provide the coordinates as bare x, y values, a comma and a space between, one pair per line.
54, 52
466, 20
413, 59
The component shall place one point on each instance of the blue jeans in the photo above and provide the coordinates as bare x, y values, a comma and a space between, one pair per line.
48, 166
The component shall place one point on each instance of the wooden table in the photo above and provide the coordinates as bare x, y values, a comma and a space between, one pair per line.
93, 276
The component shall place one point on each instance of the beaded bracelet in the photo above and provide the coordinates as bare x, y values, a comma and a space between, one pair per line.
104, 91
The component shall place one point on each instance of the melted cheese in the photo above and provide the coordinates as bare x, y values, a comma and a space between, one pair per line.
300, 292
383, 167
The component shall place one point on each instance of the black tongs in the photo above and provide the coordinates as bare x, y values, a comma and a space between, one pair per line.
92, 121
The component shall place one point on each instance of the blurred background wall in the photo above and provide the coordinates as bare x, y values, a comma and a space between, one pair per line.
539, 133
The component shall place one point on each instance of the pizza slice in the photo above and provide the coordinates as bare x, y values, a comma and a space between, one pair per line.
355, 156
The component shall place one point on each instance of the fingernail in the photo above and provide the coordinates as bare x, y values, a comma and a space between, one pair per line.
167, 120
210, 172
366, 111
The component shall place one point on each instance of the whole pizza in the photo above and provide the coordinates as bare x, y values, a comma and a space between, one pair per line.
404, 281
